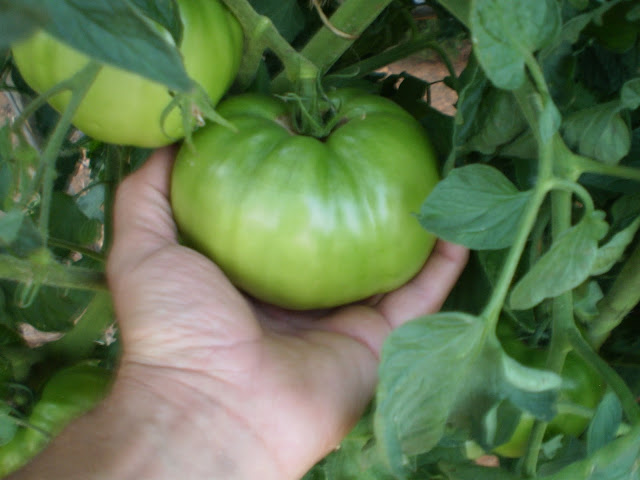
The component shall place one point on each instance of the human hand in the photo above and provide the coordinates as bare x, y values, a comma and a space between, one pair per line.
216, 385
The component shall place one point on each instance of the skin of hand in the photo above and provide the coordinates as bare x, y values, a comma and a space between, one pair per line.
212, 384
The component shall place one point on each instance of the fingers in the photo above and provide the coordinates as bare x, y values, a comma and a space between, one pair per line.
427, 291
143, 221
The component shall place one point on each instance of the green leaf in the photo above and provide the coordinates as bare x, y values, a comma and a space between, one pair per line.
8, 426
18, 21
566, 265
165, 13
69, 223
51, 310
619, 460
474, 472
286, 15
499, 123
10, 225
585, 301
91, 202
90, 328
530, 389
461, 9
505, 32
612, 251
605, 423
630, 94
625, 210
475, 206
424, 364
115, 32
599, 132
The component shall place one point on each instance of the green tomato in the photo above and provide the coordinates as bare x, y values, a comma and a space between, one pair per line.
302, 222
582, 386
68, 394
124, 108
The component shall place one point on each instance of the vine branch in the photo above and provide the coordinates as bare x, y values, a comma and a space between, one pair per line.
51, 273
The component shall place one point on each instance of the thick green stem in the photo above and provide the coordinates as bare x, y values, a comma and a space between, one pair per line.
113, 177
544, 183
587, 165
262, 34
623, 295
80, 84
51, 273
501, 290
562, 320
325, 48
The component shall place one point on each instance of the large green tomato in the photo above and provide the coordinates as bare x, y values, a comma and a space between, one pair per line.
124, 108
582, 386
302, 222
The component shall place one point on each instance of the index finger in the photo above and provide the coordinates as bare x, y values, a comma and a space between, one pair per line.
427, 291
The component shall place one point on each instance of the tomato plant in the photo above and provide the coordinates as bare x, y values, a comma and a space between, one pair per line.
124, 107
324, 207
69, 393
532, 114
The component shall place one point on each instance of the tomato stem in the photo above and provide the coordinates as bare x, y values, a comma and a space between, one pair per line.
79, 86
529, 217
325, 48
422, 42
262, 34
51, 273
588, 165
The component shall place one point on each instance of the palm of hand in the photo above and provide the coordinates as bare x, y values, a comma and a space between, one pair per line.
299, 381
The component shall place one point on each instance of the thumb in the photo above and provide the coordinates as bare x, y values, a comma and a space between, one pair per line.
143, 221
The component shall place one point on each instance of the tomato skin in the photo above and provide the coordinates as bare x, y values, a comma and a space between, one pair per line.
68, 394
305, 223
124, 108
581, 385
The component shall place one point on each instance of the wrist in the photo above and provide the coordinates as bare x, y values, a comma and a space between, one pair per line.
157, 426
182, 427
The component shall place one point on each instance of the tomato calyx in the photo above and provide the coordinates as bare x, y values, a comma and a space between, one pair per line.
196, 107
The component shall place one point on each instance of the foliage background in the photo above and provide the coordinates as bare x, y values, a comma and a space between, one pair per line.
541, 158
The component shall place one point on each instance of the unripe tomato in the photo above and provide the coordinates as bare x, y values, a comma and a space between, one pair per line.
124, 108
303, 222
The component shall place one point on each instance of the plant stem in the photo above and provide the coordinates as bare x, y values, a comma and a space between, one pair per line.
80, 84
420, 43
588, 165
262, 34
113, 176
53, 274
84, 251
494, 307
572, 187
544, 183
562, 320
325, 48
623, 295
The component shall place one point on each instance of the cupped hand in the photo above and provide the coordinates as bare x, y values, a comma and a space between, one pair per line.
296, 382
